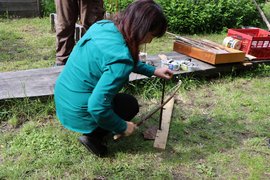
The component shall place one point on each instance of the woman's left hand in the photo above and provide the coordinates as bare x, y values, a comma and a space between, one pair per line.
164, 73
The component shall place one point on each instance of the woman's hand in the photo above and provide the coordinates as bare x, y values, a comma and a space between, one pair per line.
164, 73
131, 127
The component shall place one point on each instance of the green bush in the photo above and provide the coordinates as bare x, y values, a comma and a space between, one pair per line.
116, 5
47, 7
207, 16
193, 16
266, 10
202, 16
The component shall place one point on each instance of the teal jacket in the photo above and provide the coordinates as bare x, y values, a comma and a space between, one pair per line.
98, 67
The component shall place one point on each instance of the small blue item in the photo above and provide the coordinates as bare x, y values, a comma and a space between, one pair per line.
171, 66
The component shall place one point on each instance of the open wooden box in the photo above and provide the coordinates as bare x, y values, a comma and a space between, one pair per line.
232, 56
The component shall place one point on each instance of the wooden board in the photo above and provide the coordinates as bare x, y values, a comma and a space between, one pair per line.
28, 83
40, 82
209, 57
34, 82
162, 135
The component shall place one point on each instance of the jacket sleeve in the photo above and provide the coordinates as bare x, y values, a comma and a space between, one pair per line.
112, 80
144, 69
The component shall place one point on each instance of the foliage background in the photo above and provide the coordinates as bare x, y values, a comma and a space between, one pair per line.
194, 16
266, 10
48, 7
208, 16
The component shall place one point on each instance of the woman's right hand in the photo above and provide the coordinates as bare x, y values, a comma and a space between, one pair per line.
131, 127
164, 73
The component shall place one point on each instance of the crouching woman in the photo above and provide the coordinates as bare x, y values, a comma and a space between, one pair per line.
87, 94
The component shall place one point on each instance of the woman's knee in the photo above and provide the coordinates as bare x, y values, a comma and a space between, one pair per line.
126, 106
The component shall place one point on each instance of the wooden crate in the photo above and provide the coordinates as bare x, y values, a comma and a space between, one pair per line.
209, 57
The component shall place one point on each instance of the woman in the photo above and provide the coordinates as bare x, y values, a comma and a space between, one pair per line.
86, 92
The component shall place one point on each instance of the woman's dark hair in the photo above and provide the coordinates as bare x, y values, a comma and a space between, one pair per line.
139, 18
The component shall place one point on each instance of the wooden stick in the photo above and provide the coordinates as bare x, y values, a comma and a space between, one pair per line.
205, 45
160, 106
190, 42
215, 44
119, 136
199, 44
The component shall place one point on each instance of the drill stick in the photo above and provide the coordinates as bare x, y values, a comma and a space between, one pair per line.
145, 118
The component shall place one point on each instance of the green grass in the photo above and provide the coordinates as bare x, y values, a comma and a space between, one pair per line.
219, 127
26, 44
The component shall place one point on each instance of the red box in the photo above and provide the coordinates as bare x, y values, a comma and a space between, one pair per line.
255, 41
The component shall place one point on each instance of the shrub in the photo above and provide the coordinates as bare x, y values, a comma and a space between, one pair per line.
266, 10
206, 16
193, 16
47, 7
116, 5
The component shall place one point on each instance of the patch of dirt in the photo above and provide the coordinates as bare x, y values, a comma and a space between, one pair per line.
242, 84
11, 49
150, 133
179, 173
100, 178
5, 127
206, 103
184, 103
49, 119
30, 30
147, 106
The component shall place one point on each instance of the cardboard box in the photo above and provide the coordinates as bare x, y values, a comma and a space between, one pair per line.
232, 56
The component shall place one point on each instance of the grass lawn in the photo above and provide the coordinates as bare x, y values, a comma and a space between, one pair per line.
219, 128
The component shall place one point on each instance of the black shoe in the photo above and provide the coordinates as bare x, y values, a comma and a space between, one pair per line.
94, 145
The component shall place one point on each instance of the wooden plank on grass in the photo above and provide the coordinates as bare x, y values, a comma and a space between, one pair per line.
34, 82
28, 83
40, 82
162, 135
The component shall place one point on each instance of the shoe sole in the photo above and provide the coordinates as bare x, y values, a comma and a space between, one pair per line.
91, 149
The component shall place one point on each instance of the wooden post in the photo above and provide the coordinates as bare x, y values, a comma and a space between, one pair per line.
39, 8
53, 19
77, 34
